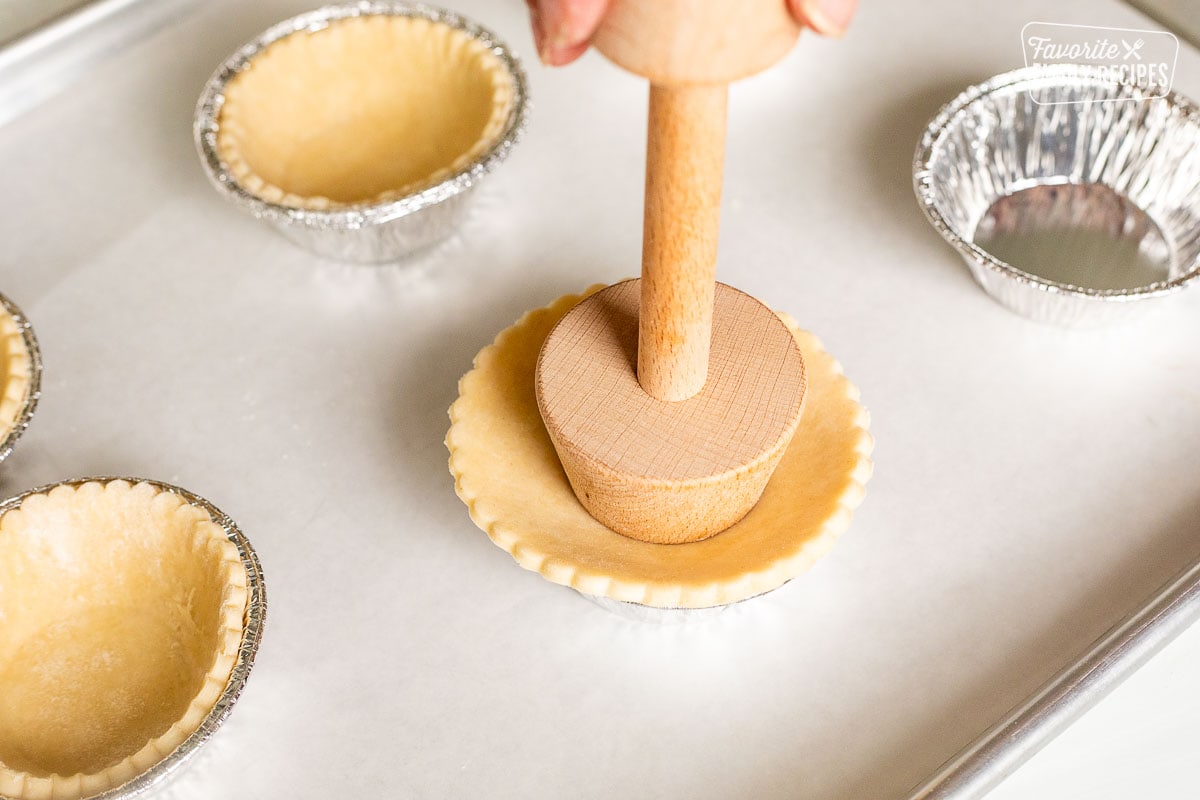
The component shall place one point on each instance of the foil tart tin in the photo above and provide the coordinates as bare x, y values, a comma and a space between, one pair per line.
370, 232
35, 377
252, 630
1068, 128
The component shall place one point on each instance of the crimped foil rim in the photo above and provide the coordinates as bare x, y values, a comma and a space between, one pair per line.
1033, 78
35, 376
356, 216
252, 629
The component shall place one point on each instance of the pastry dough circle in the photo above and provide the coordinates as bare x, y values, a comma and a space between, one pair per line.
506, 471
365, 110
121, 616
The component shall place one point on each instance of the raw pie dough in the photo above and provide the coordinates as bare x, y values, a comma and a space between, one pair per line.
121, 615
15, 373
506, 471
366, 110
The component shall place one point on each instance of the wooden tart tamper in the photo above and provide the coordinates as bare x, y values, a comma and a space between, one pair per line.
671, 400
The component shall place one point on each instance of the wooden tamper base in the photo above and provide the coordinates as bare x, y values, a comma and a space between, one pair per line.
660, 471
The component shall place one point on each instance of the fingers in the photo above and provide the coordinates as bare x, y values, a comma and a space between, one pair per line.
826, 17
562, 28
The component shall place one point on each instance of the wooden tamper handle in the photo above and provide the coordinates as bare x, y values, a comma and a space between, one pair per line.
690, 50
685, 151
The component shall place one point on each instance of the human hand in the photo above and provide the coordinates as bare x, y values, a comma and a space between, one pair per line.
562, 29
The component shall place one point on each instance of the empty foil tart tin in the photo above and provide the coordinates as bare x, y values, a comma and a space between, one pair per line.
132, 612
20, 374
360, 131
1073, 198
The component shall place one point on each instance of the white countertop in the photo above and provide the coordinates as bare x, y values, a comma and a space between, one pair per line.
1032, 484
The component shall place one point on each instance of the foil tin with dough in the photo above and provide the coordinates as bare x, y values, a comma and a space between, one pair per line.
254, 618
20, 376
393, 225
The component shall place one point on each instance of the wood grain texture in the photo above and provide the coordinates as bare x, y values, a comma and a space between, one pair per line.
685, 151
669, 472
674, 42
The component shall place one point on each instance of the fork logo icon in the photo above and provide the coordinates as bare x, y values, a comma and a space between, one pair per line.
1132, 49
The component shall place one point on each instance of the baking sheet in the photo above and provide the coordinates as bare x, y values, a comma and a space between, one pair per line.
21, 16
1032, 484
45, 46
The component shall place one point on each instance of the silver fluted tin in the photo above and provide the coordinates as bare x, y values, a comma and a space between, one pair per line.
1084, 130
35, 377
252, 630
373, 232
